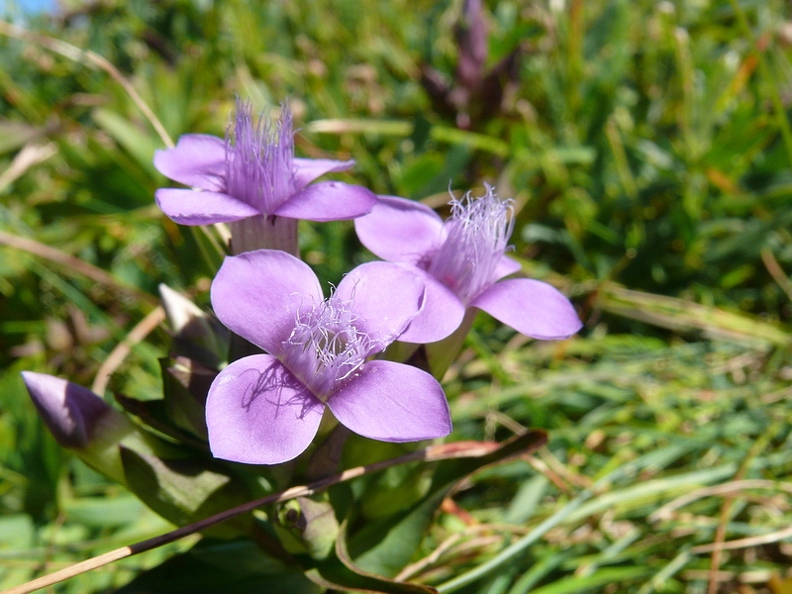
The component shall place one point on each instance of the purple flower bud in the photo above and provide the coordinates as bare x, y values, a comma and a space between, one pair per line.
70, 411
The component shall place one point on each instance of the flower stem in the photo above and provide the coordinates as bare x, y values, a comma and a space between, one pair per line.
265, 232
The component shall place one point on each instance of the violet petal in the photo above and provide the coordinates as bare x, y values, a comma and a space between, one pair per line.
257, 412
400, 230
258, 295
197, 160
385, 298
506, 267
442, 313
190, 207
531, 307
307, 170
392, 402
328, 201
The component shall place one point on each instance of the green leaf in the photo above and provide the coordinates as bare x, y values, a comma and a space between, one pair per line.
104, 512
603, 577
339, 573
186, 490
138, 144
384, 547
307, 525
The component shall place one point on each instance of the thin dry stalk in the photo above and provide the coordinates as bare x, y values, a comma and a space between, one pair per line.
778, 274
116, 357
81, 267
31, 155
743, 543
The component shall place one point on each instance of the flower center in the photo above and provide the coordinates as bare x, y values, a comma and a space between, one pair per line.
325, 347
478, 233
259, 157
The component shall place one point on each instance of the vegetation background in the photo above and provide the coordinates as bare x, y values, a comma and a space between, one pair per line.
649, 148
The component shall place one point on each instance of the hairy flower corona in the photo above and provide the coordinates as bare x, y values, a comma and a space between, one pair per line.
326, 347
260, 160
478, 233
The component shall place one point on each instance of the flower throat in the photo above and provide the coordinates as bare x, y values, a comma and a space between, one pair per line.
478, 233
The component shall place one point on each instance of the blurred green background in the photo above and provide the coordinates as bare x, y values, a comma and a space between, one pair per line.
649, 148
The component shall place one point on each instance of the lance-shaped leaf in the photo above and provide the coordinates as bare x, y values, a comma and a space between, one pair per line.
83, 422
188, 489
384, 547
196, 334
186, 383
338, 573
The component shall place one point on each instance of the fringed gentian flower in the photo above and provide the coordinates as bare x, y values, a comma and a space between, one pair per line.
266, 409
253, 180
462, 261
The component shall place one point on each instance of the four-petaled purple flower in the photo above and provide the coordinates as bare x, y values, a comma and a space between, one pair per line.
266, 409
462, 261
252, 177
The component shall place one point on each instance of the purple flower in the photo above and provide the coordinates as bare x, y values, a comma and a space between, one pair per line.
253, 174
463, 262
266, 409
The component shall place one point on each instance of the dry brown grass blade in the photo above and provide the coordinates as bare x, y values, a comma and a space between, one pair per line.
778, 274
87, 270
123, 348
744, 543
31, 155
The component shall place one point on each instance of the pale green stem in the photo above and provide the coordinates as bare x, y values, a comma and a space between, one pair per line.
265, 232
443, 353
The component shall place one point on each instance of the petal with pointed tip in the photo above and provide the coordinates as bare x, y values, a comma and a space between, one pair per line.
70, 411
258, 295
257, 412
197, 160
328, 201
392, 402
191, 207
307, 170
442, 313
400, 230
385, 298
531, 307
